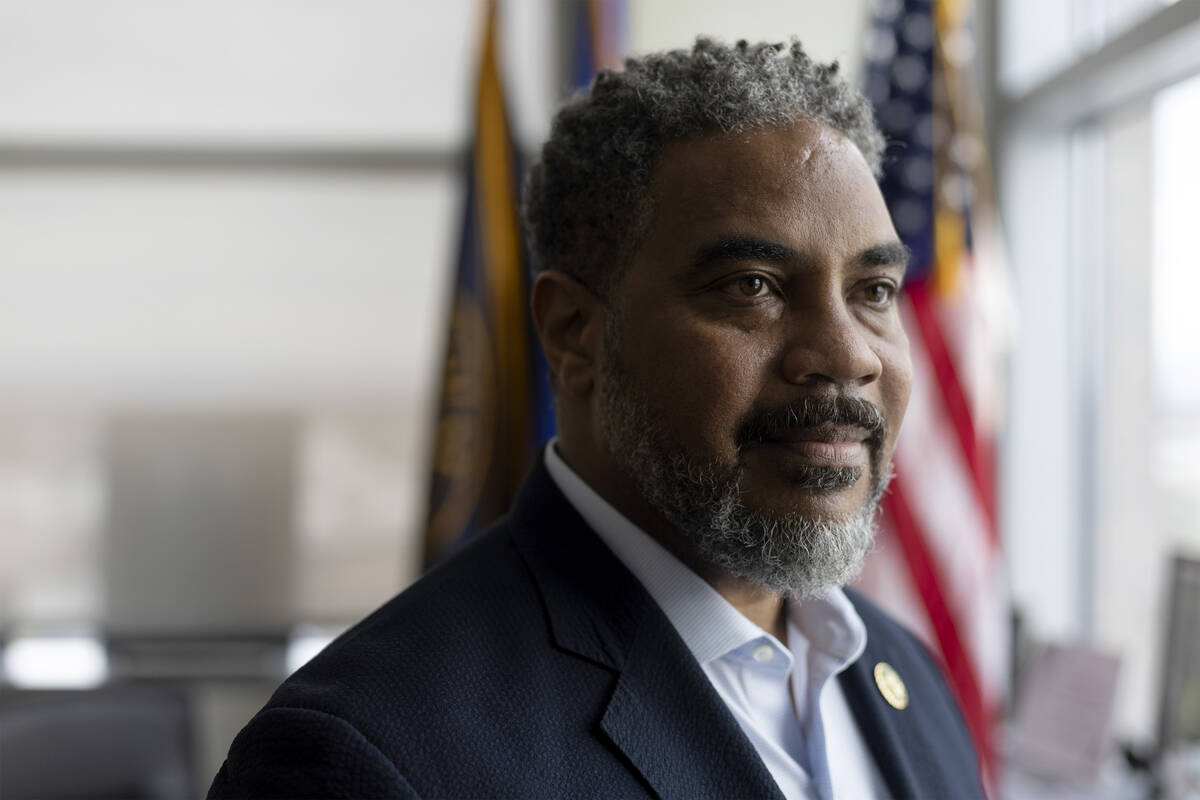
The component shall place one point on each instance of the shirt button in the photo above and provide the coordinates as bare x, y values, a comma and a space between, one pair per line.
764, 653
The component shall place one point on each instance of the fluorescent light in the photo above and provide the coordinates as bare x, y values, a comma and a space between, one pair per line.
55, 662
305, 642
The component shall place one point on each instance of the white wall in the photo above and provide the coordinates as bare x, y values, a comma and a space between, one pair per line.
827, 30
350, 72
160, 282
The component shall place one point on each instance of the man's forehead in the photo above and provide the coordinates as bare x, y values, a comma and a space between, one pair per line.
801, 149
750, 173
765, 178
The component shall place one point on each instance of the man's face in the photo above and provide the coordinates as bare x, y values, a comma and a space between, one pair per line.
755, 370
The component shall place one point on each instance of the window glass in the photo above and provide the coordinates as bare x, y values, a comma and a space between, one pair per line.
1175, 323
1037, 39
1120, 15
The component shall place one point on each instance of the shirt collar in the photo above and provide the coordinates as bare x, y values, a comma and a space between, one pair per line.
831, 626
707, 623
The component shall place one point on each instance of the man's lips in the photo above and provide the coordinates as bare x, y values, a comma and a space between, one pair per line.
828, 433
827, 454
824, 445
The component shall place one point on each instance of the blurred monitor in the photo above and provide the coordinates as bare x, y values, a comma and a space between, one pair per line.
1179, 719
199, 533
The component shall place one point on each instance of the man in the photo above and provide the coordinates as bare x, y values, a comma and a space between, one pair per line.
661, 613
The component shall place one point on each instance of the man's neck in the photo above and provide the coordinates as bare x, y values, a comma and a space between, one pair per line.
765, 609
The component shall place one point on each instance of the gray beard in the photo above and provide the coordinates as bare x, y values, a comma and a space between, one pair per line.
784, 553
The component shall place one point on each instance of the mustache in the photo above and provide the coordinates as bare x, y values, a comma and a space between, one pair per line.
766, 424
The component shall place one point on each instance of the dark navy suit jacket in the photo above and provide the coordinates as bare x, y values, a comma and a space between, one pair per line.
534, 664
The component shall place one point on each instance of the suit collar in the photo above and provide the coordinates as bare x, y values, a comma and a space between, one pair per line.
663, 715
593, 603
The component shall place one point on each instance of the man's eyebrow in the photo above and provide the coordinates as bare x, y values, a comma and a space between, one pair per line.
740, 248
892, 254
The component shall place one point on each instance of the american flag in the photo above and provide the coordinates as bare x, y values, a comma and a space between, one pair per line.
938, 565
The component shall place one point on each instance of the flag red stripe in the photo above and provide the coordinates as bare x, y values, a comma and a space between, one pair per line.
959, 669
977, 454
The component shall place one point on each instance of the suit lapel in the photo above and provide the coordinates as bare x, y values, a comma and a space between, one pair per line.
668, 720
663, 715
924, 749
884, 728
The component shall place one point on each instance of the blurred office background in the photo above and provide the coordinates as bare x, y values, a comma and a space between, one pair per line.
227, 237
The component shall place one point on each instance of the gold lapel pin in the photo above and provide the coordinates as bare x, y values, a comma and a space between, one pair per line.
891, 686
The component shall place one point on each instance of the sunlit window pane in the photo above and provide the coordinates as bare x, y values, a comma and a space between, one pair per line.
1175, 319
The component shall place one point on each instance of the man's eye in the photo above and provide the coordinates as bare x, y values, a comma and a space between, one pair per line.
881, 294
750, 285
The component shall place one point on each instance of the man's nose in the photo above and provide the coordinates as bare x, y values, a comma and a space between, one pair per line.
826, 344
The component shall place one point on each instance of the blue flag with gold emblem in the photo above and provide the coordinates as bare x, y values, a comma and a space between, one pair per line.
495, 406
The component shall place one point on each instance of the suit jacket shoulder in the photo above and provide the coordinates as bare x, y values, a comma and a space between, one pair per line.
531, 664
451, 689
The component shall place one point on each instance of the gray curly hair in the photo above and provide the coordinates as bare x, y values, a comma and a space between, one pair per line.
586, 206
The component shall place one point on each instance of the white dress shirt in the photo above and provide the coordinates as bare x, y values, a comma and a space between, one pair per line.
781, 695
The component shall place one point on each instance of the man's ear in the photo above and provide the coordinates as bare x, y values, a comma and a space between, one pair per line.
570, 325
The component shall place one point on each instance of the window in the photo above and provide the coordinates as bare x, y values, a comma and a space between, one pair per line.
1096, 175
